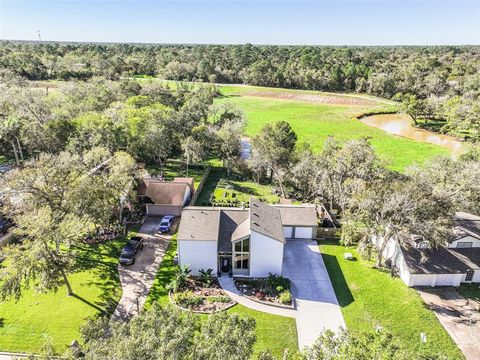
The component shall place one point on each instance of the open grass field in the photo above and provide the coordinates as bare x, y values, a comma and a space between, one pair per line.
274, 333
26, 325
370, 298
314, 116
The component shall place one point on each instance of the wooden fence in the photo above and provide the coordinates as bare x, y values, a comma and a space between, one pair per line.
198, 190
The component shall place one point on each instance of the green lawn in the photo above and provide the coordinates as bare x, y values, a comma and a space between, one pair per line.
313, 123
369, 298
234, 187
274, 333
25, 325
470, 291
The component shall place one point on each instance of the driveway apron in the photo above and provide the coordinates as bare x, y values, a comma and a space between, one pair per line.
459, 316
316, 303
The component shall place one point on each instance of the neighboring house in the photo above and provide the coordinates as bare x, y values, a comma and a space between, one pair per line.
247, 242
450, 265
165, 197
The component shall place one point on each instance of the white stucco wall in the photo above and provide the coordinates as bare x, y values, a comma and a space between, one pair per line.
403, 271
198, 255
475, 242
266, 255
435, 279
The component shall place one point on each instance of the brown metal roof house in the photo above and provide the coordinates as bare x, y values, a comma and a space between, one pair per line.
165, 197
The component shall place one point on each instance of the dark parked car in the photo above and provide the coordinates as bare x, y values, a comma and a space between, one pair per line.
4, 225
166, 223
133, 246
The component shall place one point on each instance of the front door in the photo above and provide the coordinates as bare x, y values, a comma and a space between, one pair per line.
225, 263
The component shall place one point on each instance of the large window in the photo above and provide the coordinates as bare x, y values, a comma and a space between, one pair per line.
241, 255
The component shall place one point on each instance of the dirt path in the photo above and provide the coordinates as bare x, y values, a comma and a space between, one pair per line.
333, 99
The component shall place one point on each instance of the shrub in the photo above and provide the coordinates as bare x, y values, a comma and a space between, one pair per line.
278, 282
285, 297
179, 283
187, 299
206, 276
219, 299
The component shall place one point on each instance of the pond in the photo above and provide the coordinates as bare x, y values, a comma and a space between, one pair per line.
401, 125
245, 148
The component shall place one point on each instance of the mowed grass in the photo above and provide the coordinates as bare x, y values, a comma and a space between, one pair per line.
370, 298
218, 181
274, 333
315, 122
27, 324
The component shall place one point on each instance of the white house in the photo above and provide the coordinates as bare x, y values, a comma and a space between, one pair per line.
247, 242
450, 265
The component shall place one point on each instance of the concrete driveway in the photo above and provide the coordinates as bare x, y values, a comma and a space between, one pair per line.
315, 300
137, 279
459, 316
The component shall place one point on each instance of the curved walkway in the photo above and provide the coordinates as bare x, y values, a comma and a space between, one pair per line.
228, 285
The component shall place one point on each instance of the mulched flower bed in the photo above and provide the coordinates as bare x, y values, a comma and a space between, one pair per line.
259, 290
199, 297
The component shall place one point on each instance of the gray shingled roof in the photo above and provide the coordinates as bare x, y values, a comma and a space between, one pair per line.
467, 224
266, 220
225, 225
298, 215
439, 261
469, 256
231, 226
199, 224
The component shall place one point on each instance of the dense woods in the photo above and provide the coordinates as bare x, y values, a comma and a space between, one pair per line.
433, 82
153, 122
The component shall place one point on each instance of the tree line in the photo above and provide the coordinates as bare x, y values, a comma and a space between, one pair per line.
438, 82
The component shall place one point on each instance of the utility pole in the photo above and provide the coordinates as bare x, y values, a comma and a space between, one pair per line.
39, 36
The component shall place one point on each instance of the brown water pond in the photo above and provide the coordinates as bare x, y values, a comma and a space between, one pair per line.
401, 125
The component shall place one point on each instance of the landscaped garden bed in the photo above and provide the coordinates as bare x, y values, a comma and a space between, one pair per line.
201, 294
272, 290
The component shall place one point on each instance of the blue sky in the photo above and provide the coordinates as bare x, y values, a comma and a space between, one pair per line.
360, 22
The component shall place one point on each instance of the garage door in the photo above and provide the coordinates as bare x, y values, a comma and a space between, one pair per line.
287, 232
303, 232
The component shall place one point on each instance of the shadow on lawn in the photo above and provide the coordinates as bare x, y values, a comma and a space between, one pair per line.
101, 260
342, 291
